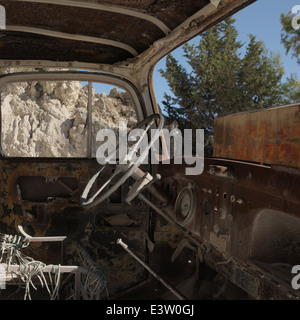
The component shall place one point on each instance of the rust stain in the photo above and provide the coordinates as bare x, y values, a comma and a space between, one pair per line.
297, 113
266, 136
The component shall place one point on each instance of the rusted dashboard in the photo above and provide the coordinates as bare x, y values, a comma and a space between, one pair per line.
240, 219
44, 196
246, 219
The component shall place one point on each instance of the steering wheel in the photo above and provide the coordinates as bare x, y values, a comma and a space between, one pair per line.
127, 169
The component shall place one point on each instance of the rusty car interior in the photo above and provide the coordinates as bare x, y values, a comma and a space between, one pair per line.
147, 232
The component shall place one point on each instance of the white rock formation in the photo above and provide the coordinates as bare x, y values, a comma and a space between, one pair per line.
48, 119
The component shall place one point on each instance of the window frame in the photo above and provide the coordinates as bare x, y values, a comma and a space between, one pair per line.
82, 76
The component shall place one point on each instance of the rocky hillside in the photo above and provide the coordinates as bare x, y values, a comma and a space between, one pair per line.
48, 119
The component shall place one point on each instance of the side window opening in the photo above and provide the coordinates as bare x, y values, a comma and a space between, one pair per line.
60, 118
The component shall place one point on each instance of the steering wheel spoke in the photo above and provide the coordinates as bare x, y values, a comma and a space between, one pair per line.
126, 168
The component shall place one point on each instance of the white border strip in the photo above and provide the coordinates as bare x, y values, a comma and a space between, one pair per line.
70, 36
108, 8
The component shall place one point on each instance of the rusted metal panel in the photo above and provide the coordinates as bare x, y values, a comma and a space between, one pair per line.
265, 136
247, 219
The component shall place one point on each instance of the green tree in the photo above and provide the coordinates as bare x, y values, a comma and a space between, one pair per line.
291, 90
290, 37
260, 75
221, 81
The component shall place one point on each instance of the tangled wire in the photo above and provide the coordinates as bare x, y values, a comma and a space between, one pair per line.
10, 254
94, 282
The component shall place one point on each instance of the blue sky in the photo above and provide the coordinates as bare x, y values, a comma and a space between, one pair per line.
261, 19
